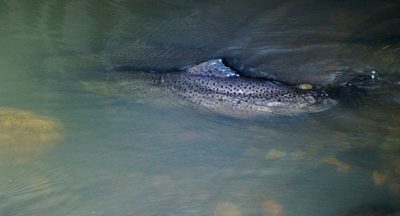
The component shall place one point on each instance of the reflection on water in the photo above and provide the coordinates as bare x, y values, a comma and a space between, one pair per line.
71, 145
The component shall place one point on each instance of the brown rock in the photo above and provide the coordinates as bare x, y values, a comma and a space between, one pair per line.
274, 154
379, 177
24, 134
340, 165
272, 208
227, 209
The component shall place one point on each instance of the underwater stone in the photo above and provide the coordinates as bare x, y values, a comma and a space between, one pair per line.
272, 208
24, 134
379, 177
340, 165
274, 154
227, 209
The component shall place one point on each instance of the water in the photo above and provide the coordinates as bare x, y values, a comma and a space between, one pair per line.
85, 149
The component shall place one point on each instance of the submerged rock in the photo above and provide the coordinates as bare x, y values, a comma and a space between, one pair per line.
24, 134
379, 177
340, 165
272, 208
274, 154
227, 209
298, 155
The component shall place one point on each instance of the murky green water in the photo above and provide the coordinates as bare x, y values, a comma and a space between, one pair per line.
69, 145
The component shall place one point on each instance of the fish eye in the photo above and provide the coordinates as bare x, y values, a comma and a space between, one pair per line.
305, 86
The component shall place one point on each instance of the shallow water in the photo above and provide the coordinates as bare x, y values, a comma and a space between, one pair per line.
115, 154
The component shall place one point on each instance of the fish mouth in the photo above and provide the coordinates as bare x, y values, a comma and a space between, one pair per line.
322, 104
328, 102
317, 101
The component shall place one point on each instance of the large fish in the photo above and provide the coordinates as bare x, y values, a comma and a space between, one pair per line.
216, 87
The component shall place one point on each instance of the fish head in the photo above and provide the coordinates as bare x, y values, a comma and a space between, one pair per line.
314, 100
294, 101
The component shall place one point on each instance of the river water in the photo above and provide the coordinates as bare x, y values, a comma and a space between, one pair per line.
70, 145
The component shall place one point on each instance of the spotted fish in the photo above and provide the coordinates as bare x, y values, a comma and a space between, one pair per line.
214, 86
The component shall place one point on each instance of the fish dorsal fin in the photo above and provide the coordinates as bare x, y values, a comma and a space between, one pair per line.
215, 68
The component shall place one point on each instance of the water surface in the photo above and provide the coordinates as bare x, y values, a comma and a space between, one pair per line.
114, 154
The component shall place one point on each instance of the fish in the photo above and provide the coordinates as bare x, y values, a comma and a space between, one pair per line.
215, 87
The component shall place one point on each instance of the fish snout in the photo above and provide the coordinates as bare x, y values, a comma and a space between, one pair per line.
321, 101
329, 102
